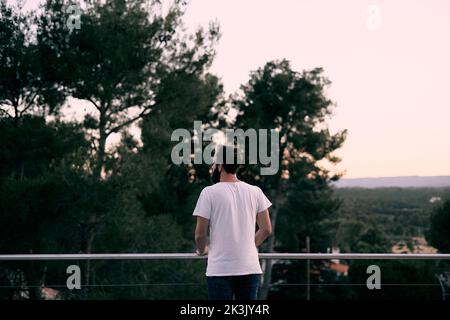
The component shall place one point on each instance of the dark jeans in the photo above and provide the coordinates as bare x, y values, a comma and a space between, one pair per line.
243, 287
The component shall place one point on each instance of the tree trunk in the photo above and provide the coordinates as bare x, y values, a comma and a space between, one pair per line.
101, 152
97, 173
19, 165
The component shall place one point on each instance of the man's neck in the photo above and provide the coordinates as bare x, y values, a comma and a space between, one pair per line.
228, 178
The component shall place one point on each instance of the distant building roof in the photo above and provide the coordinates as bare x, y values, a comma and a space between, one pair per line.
419, 245
340, 268
50, 294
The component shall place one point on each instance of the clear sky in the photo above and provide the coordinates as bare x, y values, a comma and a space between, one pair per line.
388, 62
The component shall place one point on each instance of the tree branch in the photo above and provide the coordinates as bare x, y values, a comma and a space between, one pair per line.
128, 122
94, 103
125, 107
29, 105
6, 112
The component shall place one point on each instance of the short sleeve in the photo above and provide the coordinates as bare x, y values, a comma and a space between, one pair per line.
203, 206
263, 203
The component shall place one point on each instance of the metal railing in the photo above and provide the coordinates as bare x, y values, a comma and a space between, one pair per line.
190, 256
193, 256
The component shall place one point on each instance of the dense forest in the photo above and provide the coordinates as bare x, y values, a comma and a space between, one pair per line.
373, 221
131, 66
398, 213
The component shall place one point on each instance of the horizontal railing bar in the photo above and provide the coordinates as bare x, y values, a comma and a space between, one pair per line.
192, 256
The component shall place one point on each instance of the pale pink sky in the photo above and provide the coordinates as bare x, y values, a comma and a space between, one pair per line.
391, 83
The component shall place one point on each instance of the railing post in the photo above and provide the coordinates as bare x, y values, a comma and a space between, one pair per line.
308, 274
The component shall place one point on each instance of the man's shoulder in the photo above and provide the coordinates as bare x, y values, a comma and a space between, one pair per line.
206, 189
250, 186
212, 188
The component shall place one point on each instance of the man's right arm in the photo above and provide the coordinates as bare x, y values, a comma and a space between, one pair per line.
265, 227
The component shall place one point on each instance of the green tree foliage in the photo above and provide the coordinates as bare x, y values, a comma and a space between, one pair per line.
59, 198
23, 89
116, 60
190, 97
439, 233
34, 147
38, 207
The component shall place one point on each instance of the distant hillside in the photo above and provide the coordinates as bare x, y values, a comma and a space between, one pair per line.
404, 182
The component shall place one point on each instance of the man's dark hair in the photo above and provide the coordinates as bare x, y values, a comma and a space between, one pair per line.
227, 155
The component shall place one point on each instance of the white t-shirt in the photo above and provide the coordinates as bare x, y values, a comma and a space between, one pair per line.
231, 208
